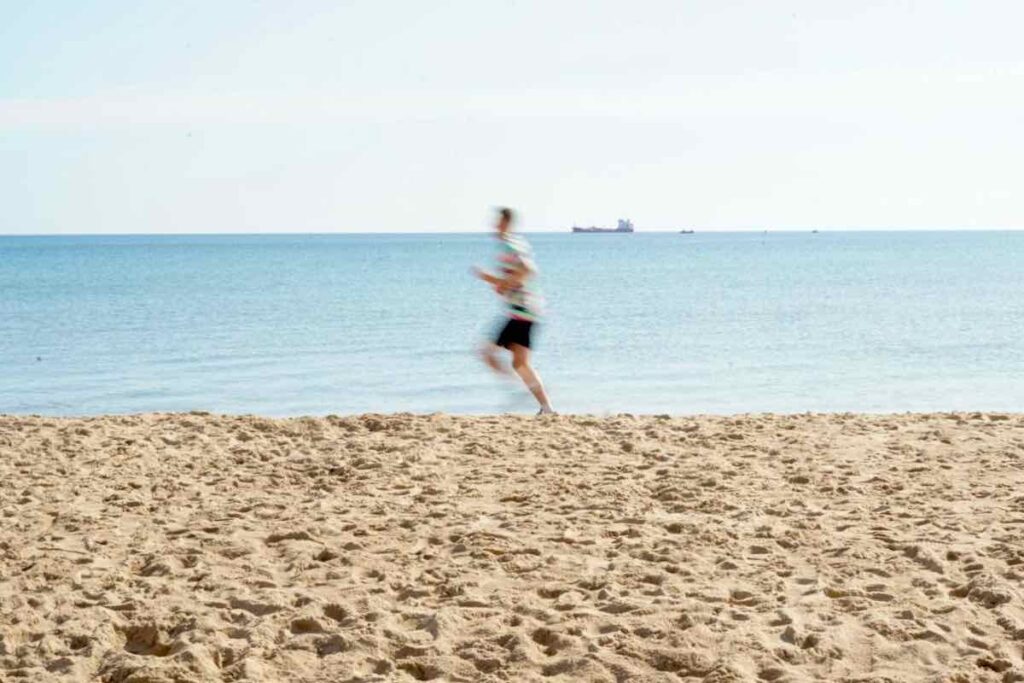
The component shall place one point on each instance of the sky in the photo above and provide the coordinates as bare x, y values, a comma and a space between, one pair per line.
152, 116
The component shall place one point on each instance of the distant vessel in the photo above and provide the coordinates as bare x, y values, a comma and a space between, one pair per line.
625, 225
686, 232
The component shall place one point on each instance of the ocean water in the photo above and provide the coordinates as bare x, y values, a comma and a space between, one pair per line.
643, 323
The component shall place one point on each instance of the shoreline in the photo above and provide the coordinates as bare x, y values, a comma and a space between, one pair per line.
820, 546
992, 415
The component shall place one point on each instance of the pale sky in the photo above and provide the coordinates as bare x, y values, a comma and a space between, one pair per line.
155, 116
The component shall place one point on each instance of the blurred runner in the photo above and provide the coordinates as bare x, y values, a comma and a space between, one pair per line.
514, 282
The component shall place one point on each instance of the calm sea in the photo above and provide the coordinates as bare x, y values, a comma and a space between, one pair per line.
652, 323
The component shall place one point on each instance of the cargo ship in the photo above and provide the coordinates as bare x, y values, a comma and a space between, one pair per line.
625, 225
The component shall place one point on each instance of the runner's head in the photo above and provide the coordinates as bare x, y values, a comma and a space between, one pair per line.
505, 217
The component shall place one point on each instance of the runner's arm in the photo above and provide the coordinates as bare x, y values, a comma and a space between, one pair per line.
492, 280
523, 269
517, 276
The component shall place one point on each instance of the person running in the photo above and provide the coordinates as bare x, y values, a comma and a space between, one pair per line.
514, 283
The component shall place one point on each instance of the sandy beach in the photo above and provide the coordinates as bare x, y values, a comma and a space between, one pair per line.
192, 547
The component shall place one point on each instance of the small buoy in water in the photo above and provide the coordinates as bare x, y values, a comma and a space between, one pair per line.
38, 358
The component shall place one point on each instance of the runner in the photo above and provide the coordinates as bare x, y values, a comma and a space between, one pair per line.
514, 283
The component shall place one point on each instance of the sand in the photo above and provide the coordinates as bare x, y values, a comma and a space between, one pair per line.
753, 548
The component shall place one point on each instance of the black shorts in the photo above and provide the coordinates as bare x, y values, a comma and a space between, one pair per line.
515, 332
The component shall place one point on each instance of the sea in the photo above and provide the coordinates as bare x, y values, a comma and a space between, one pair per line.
663, 323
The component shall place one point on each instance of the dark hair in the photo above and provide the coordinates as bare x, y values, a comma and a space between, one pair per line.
505, 213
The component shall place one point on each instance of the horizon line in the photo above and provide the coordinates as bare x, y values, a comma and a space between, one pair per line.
546, 231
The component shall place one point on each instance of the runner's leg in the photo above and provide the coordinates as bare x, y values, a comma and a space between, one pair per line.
521, 364
489, 355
